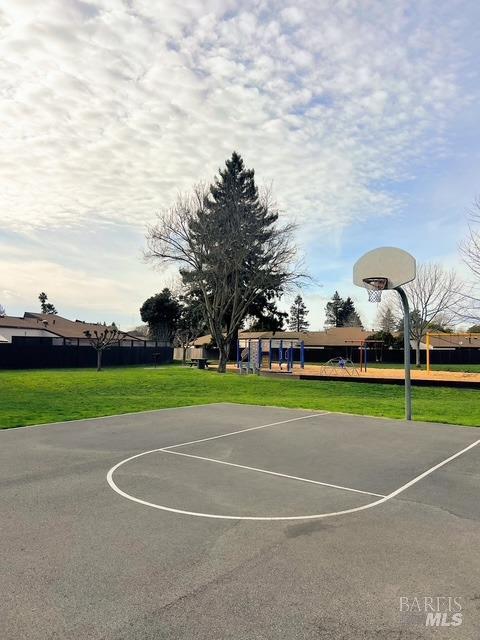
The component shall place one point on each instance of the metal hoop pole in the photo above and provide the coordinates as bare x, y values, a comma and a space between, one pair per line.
406, 355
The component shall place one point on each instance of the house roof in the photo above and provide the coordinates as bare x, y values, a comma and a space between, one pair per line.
56, 325
203, 341
13, 322
449, 341
255, 334
334, 337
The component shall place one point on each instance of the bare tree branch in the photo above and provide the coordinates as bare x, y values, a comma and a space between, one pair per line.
436, 297
231, 255
101, 340
470, 251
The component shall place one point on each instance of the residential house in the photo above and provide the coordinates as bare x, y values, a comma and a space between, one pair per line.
60, 330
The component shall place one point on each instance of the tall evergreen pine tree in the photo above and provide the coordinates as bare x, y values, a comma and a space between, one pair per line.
349, 315
333, 311
298, 316
341, 313
235, 235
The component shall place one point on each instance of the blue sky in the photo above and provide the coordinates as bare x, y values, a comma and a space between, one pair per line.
362, 115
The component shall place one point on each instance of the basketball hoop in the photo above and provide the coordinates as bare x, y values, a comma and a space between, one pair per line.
398, 268
375, 288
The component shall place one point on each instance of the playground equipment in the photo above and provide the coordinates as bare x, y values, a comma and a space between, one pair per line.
447, 337
390, 268
249, 358
339, 366
254, 354
363, 347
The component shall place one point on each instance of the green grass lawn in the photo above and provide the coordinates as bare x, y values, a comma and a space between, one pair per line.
34, 397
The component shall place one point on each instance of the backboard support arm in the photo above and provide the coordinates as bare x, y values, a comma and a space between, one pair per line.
406, 352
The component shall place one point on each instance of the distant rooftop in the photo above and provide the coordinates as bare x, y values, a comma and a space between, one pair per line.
334, 337
55, 324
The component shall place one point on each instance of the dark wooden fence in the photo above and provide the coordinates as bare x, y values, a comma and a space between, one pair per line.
31, 353
437, 356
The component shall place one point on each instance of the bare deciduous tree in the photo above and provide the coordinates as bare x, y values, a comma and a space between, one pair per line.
101, 340
2, 311
435, 297
191, 324
470, 250
228, 246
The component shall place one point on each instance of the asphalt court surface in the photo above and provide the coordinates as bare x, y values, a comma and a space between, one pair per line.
97, 544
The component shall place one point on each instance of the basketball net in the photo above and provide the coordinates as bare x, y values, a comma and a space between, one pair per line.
377, 285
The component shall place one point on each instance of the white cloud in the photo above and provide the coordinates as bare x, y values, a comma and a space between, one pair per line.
93, 275
109, 108
292, 16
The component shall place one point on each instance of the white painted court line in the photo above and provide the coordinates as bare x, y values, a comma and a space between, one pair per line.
234, 433
431, 470
280, 518
274, 473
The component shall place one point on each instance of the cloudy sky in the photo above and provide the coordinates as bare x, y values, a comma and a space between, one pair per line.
362, 114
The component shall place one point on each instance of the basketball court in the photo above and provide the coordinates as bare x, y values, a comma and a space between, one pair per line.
234, 521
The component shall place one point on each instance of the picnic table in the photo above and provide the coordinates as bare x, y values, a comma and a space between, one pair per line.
202, 363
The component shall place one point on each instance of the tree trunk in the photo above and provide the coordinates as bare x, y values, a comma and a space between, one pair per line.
417, 354
184, 355
223, 351
99, 360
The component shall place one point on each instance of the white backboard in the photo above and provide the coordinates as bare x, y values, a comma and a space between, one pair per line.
397, 265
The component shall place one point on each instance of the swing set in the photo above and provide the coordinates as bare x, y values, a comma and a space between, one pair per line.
364, 346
